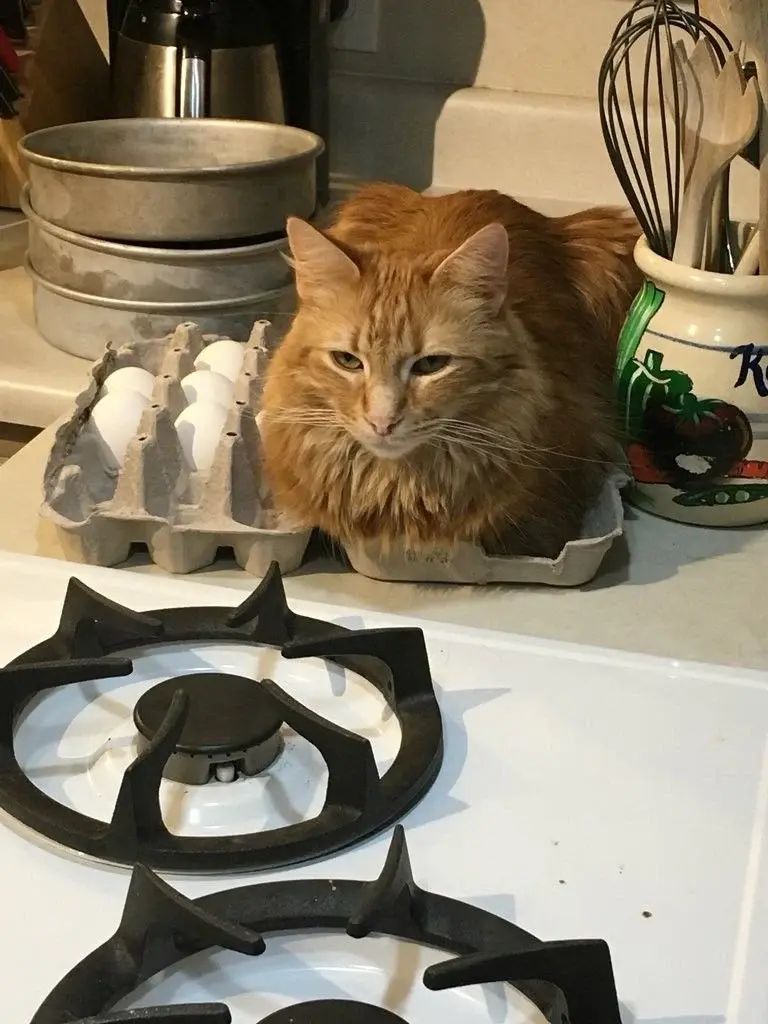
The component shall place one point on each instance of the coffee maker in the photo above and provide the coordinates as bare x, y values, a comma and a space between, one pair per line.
261, 60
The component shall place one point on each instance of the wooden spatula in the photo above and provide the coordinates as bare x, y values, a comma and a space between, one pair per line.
746, 21
721, 113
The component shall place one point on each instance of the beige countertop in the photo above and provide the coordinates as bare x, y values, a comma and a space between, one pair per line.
669, 590
37, 382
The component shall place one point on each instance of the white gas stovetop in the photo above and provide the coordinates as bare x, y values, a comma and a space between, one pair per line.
583, 794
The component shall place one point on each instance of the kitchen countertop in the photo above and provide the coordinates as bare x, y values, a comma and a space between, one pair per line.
37, 382
666, 589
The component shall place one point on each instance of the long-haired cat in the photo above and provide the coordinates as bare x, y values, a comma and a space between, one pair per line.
447, 376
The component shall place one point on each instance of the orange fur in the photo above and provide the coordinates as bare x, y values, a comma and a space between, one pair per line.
504, 445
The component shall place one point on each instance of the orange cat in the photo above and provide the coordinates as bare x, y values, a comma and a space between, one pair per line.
447, 377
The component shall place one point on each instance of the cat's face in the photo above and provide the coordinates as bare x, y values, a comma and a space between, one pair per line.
394, 355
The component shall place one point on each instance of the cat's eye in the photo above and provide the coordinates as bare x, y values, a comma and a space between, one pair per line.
429, 364
347, 360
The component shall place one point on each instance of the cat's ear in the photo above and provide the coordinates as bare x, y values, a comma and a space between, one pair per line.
320, 265
479, 266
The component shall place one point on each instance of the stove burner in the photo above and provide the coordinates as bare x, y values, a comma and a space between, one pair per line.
333, 1011
358, 803
571, 982
231, 727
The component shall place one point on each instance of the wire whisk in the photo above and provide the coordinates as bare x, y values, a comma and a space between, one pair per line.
632, 99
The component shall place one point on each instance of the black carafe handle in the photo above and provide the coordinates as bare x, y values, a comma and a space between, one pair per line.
194, 36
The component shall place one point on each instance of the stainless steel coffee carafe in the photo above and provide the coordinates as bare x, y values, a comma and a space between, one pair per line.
197, 58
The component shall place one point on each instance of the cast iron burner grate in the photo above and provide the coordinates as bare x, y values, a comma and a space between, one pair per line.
573, 984
358, 802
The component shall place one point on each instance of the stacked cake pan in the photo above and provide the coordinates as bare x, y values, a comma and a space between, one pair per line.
138, 225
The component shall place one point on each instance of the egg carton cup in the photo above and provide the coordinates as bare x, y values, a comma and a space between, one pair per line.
183, 516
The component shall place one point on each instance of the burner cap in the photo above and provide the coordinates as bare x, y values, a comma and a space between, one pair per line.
333, 1011
231, 726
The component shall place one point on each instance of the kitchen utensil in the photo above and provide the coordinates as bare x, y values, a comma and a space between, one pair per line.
647, 161
203, 58
120, 270
749, 261
720, 115
82, 324
166, 180
747, 21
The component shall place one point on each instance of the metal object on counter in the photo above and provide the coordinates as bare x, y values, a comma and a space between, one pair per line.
82, 324
198, 59
114, 270
639, 74
172, 180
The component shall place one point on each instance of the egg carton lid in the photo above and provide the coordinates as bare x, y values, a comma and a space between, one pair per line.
577, 564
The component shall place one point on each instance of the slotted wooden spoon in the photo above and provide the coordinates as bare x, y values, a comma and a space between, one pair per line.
721, 112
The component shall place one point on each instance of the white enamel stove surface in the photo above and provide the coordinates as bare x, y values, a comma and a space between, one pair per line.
583, 794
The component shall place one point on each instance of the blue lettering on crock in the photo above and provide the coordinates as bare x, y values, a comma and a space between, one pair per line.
751, 366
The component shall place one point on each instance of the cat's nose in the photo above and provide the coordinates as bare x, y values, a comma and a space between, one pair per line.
383, 425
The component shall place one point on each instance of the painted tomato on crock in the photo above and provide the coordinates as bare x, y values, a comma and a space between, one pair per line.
700, 441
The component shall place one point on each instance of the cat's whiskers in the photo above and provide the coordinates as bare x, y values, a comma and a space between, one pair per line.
496, 438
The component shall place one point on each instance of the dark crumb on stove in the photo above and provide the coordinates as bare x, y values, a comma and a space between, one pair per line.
621, 869
555, 842
647, 913
561, 881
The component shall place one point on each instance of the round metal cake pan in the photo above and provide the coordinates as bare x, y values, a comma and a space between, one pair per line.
155, 180
118, 270
82, 324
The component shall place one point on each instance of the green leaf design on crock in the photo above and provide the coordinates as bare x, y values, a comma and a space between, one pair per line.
646, 305
647, 383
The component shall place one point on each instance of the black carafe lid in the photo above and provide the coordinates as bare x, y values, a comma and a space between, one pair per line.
234, 23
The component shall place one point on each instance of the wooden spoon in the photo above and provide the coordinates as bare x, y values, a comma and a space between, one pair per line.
750, 258
746, 21
721, 113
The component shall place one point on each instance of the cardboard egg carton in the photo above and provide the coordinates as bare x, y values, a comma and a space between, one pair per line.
183, 516
577, 564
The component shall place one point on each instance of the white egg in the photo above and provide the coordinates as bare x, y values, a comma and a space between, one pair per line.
114, 421
129, 378
208, 386
199, 427
224, 357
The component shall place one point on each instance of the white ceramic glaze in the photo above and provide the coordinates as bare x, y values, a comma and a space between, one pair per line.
692, 378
